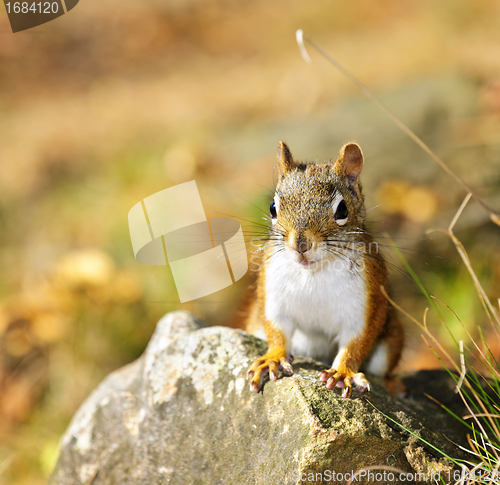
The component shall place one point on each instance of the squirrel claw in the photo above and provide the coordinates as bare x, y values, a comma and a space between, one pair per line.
268, 363
286, 367
334, 378
361, 382
347, 389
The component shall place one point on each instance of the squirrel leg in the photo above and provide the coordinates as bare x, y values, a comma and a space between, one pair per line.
344, 373
355, 347
274, 359
345, 368
386, 354
394, 340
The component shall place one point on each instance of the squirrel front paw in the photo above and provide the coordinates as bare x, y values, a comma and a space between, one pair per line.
271, 362
345, 380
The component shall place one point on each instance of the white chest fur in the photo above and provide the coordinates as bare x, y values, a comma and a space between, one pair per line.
319, 310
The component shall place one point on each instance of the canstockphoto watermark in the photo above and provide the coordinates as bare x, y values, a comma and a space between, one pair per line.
25, 15
205, 255
388, 475
384, 474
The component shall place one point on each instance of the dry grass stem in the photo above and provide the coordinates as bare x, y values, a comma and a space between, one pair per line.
300, 40
487, 305
481, 352
462, 366
425, 329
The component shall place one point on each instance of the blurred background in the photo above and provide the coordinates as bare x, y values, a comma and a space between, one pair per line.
118, 100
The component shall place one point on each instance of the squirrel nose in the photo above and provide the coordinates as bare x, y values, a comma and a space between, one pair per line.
303, 246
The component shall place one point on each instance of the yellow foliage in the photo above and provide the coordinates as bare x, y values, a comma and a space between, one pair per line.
126, 287
49, 327
86, 267
416, 203
17, 342
419, 205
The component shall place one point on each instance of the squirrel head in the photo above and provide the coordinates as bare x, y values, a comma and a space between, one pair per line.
318, 207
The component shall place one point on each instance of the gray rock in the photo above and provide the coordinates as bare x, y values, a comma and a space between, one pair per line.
184, 414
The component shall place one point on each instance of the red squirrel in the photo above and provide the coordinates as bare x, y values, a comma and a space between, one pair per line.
318, 289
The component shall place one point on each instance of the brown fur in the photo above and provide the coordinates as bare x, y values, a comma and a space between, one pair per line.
305, 216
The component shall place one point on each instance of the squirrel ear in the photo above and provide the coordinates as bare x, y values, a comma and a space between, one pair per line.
285, 159
351, 157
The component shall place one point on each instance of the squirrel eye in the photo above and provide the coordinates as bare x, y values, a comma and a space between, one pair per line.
340, 210
272, 209
275, 207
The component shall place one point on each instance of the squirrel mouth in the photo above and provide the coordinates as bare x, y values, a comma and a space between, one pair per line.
306, 263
